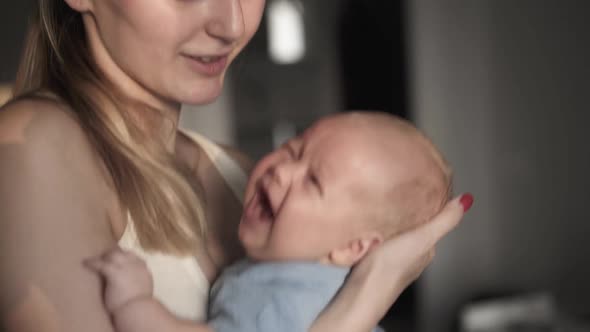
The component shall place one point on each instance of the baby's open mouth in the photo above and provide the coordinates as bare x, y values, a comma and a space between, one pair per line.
265, 205
260, 207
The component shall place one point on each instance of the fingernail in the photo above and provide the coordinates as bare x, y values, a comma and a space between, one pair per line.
466, 200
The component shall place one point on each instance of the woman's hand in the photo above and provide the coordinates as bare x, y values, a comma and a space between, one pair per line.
377, 281
405, 257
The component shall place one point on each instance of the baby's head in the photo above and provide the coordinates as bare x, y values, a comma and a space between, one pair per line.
346, 184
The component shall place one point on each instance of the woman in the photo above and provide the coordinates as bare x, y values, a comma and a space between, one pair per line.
90, 156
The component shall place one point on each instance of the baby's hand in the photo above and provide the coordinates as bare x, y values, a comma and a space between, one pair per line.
127, 277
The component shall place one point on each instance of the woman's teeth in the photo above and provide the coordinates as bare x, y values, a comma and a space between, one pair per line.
207, 59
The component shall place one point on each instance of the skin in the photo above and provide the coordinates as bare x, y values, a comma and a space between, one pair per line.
128, 292
145, 46
71, 211
84, 219
309, 203
328, 184
151, 63
312, 196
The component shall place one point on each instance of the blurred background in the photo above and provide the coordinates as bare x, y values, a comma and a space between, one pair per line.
500, 86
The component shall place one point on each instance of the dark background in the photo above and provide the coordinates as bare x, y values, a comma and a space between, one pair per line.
500, 86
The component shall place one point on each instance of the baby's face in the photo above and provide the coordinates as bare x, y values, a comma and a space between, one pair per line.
306, 198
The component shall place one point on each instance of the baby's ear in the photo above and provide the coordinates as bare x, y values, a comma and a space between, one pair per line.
355, 249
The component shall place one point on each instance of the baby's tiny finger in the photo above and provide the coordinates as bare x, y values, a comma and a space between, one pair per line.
116, 256
96, 264
132, 257
107, 270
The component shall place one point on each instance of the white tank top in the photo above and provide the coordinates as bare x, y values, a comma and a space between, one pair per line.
179, 282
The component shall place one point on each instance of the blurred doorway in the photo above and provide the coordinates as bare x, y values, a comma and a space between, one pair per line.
372, 54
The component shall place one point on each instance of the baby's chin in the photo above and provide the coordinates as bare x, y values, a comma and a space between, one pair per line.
253, 244
256, 254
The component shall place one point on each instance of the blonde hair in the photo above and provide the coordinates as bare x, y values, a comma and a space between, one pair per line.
166, 211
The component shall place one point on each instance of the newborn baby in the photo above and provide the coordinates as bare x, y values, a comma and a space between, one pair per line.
313, 209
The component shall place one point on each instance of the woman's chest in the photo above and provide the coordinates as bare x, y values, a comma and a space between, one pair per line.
223, 212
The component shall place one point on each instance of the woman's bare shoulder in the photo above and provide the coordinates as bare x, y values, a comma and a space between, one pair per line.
53, 215
44, 129
34, 118
41, 139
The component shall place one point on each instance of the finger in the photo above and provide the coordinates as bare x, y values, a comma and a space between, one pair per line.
106, 269
133, 257
116, 256
96, 264
450, 216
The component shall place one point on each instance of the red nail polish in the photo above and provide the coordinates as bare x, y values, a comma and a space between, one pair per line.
466, 200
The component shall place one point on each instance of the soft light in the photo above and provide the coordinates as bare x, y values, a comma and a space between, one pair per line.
286, 31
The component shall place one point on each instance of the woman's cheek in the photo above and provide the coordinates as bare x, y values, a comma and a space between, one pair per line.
252, 11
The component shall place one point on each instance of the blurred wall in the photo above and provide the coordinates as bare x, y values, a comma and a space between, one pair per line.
13, 22
271, 98
502, 88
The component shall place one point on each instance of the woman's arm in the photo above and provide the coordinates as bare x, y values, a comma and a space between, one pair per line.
52, 216
375, 284
149, 315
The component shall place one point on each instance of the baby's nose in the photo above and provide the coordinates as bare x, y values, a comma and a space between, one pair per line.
285, 172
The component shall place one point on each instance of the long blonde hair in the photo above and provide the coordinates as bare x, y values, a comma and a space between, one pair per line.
167, 212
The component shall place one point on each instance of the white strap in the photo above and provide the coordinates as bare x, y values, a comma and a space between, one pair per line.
230, 170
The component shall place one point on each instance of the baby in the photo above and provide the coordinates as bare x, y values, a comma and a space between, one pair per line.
313, 209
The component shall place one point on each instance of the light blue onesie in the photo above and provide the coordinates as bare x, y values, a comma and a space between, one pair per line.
272, 296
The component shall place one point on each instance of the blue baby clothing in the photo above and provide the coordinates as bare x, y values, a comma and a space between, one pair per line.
272, 296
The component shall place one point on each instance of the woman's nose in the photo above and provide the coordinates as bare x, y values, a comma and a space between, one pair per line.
226, 20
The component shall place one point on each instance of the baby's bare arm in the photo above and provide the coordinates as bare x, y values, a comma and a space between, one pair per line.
128, 295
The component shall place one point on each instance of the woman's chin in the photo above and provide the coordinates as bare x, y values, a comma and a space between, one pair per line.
202, 93
201, 98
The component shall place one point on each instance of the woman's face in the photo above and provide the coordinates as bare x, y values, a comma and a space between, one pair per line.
175, 50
